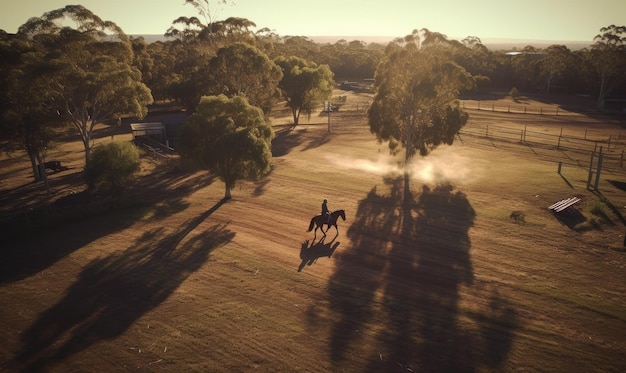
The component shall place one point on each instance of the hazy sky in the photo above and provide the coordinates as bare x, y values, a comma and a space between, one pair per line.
551, 20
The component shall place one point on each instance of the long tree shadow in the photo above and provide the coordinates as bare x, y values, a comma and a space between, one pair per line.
285, 140
33, 241
415, 251
111, 293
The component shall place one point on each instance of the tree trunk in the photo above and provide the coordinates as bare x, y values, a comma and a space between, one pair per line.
296, 116
227, 195
43, 174
33, 162
600, 105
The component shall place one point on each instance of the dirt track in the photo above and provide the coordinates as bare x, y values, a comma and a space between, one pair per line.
435, 277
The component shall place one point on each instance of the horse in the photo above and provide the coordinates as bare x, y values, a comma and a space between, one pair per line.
320, 220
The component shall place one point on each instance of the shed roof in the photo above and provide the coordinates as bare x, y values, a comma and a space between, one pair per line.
147, 126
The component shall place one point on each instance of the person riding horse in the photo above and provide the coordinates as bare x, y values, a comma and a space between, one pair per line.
325, 211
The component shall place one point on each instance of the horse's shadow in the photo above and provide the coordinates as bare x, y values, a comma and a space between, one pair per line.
310, 254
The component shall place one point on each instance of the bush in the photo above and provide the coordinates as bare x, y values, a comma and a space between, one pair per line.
514, 93
112, 167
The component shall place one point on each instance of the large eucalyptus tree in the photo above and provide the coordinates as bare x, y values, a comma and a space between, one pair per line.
415, 106
87, 69
304, 84
228, 137
608, 56
242, 69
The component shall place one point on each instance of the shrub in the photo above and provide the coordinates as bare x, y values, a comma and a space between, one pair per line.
112, 167
514, 93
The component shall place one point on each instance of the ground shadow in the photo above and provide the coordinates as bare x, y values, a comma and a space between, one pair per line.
112, 292
310, 254
317, 142
618, 184
412, 253
22, 258
35, 239
285, 140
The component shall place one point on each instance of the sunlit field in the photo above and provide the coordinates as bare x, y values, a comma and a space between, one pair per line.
458, 266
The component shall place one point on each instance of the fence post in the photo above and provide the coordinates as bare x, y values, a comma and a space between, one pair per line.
493, 107
599, 169
524, 109
525, 130
585, 134
557, 110
560, 165
559, 142
478, 105
541, 110
590, 169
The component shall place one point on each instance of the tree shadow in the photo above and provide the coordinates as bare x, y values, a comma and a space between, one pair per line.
22, 258
111, 293
413, 252
310, 254
35, 239
285, 140
317, 142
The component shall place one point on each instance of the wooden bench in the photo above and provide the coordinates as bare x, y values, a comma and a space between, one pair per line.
564, 204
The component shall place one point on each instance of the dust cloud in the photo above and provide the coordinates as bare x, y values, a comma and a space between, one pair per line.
436, 168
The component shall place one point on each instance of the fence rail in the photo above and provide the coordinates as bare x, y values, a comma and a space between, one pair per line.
521, 108
613, 146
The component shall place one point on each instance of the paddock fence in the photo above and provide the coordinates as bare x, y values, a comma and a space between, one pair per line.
519, 108
576, 148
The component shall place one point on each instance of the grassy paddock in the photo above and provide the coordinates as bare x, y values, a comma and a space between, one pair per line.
433, 277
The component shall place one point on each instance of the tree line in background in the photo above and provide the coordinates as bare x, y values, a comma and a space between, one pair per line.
91, 72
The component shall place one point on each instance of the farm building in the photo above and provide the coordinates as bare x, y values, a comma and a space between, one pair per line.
153, 131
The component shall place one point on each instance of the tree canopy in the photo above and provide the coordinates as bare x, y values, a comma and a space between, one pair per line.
304, 84
417, 85
242, 69
27, 119
608, 56
88, 70
228, 137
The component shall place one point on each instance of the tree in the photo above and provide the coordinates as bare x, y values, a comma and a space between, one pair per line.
304, 84
89, 70
241, 69
228, 137
608, 55
555, 64
112, 166
207, 28
27, 120
415, 106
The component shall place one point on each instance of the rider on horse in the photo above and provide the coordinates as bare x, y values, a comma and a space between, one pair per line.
325, 211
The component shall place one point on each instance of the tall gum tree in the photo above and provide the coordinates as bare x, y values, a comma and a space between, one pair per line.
304, 84
26, 118
417, 84
242, 70
608, 55
89, 69
228, 137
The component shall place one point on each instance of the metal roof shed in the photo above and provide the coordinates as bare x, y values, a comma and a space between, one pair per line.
156, 129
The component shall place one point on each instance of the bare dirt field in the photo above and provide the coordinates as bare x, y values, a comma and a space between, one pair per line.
429, 276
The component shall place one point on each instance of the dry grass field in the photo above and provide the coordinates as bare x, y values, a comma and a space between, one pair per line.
432, 275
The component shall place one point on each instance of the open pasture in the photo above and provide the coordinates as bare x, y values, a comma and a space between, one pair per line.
431, 276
